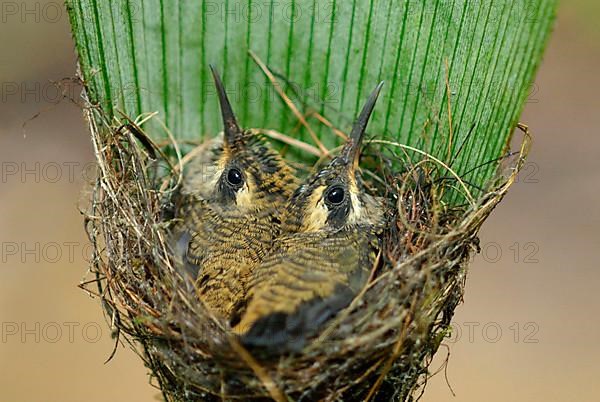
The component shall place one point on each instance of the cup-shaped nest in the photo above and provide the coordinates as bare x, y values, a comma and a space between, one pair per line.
378, 348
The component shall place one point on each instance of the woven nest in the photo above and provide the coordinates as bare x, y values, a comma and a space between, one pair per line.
379, 348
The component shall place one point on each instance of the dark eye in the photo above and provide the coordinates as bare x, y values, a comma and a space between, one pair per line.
234, 177
335, 195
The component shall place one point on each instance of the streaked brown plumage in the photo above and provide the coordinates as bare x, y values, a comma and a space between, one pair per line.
230, 212
324, 255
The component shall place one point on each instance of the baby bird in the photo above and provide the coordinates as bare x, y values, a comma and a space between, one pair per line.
230, 214
324, 255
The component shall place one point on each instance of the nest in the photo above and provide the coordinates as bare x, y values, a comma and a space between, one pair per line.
379, 348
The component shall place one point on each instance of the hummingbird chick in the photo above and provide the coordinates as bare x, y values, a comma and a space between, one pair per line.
323, 258
230, 215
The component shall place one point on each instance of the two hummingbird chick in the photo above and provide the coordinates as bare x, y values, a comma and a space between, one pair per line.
275, 259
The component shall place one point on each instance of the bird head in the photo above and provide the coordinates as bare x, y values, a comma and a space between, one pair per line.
334, 198
248, 176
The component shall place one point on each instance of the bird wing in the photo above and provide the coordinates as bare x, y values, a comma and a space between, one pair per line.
301, 286
223, 251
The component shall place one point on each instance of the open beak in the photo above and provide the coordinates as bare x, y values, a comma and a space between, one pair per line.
232, 131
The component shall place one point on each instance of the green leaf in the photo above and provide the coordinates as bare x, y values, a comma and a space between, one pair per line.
143, 56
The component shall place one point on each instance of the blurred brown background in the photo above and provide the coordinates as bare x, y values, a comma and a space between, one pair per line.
528, 330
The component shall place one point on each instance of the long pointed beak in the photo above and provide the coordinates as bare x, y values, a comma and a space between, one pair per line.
232, 131
351, 151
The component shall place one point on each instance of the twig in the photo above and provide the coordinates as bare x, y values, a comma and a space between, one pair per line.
276, 135
288, 102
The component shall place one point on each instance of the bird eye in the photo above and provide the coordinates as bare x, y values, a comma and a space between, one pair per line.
234, 177
335, 195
